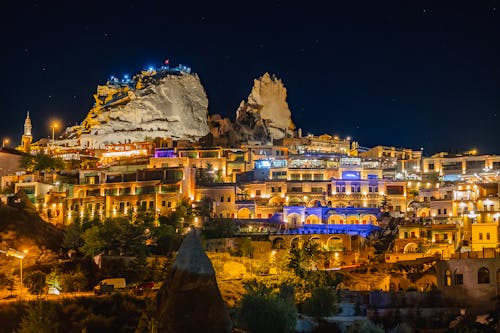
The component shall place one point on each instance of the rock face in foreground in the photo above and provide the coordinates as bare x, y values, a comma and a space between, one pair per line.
189, 300
266, 111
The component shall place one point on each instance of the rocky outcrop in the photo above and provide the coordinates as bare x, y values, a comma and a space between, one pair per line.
190, 300
265, 114
160, 103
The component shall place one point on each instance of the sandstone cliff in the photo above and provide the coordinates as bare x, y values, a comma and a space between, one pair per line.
156, 103
266, 110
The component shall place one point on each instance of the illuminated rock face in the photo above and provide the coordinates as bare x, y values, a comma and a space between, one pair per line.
266, 110
189, 300
152, 105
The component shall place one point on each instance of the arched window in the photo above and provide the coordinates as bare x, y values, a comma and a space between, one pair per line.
483, 275
458, 277
447, 278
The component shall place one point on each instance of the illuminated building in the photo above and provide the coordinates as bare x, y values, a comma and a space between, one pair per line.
114, 193
454, 167
354, 221
320, 144
428, 237
222, 198
400, 163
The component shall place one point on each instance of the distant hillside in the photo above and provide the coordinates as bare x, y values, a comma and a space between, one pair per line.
23, 226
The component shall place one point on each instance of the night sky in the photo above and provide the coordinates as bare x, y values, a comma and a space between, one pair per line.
402, 73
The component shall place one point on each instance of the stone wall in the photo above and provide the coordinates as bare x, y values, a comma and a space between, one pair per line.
470, 282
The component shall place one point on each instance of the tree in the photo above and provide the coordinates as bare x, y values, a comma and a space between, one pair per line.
143, 216
73, 282
41, 162
35, 282
384, 205
301, 260
205, 207
267, 314
165, 238
40, 317
7, 281
3, 279
287, 293
321, 303
53, 280
246, 248
93, 243
220, 228
72, 239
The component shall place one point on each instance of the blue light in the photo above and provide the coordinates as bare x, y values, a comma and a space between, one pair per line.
151, 68
125, 76
351, 175
262, 164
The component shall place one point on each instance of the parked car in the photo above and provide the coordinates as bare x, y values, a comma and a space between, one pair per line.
108, 286
143, 287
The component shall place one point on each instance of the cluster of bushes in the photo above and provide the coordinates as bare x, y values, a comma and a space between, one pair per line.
269, 307
115, 314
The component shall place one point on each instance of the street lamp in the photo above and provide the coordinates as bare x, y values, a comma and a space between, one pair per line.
20, 255
53, 126
5, 141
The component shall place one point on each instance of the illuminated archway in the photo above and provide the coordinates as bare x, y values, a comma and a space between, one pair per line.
279, 243
315, 203
295, 202
312, 219
335, 243
315, 239
244, 213
336, 219
293, 219
410, 248
294, 243
276, 201
369, 219
353, 219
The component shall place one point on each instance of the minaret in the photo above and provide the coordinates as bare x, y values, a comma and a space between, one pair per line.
27, 138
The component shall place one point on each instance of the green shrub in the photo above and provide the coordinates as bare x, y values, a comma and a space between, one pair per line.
267, 314
35, 282
40, 317
321, 303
